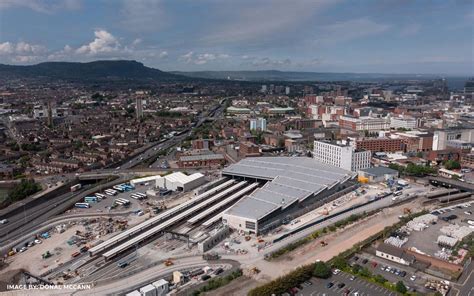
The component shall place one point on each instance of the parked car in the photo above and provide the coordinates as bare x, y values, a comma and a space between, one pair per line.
329, 285
341, 285
365, 261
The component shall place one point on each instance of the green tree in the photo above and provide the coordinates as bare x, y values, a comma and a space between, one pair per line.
400, 287
356, 268
379, 279
452, 165
365, 272
339, 262
321, 270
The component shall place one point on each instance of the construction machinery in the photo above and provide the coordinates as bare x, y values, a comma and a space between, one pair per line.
168, 262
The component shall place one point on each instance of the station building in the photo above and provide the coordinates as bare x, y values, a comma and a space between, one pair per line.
289, 184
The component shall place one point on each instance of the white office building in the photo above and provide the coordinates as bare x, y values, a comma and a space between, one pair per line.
258, 124
403, 122
442, 138
341, 156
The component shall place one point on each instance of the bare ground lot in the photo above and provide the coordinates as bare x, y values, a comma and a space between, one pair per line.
337, 243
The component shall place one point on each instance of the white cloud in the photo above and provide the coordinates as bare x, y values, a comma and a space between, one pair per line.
266, 62
163, 54
21, 52
43, 6
202, 58
104, 42
6, 48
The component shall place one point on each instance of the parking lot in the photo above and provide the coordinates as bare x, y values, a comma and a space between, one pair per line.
106, 205
391, 271
356, 286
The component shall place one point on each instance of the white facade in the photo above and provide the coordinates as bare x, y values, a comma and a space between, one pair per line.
181, 182
162, 287
341, 156
258, 124
403, 122
148, 290
366, 123
240, 223
144, 180
391, 257
441, 138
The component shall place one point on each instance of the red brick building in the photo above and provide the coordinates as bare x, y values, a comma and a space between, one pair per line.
247, 149
379, 144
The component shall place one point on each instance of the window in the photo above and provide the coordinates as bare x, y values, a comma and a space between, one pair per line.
250, 225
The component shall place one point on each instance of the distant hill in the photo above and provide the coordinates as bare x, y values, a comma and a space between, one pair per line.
93, 71
275, 75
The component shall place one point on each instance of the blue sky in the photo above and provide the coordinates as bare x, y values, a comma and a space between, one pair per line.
385, 36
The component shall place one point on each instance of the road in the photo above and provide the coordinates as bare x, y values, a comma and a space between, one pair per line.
155, 149
26, 220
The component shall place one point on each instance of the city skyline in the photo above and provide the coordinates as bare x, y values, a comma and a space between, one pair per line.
320, 36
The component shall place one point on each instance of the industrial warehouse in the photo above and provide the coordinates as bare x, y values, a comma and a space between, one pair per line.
289, 183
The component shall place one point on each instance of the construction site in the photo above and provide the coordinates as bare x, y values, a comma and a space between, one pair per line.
161, 222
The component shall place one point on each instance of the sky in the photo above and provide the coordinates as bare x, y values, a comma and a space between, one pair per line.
364, 36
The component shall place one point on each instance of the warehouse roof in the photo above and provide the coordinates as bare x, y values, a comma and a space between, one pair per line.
379, 171
182, 178
292, 179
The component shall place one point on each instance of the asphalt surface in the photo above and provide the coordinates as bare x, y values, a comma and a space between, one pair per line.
319, 287
28, 219
418, 284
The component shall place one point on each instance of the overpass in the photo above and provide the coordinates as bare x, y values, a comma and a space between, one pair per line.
445, 182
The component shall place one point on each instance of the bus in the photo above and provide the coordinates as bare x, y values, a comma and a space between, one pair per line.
100, 195
123, 201
127, 187
142, 195
84, 205
119, 188
110, 192
135, 196
90, 199
76, 187
118, 202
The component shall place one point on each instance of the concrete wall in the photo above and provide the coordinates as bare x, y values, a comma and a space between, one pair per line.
213, 240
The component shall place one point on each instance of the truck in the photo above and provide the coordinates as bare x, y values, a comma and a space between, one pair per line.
76, 187
47, 254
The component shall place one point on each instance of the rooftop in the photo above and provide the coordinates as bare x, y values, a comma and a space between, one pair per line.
292, 179
379, 171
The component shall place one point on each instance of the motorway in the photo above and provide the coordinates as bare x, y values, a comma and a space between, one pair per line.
28, 219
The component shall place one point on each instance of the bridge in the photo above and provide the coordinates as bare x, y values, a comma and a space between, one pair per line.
445, 182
